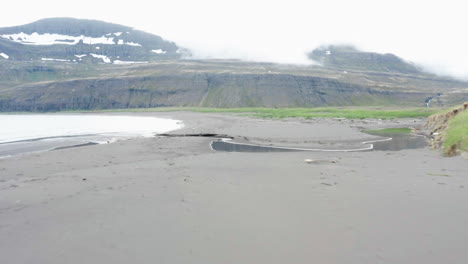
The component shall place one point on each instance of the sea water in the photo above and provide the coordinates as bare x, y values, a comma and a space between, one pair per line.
37, 132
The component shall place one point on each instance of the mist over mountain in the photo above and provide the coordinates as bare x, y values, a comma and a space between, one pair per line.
430, 33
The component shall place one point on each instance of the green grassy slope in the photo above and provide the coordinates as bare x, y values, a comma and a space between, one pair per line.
449, 130
325, 112
456, 138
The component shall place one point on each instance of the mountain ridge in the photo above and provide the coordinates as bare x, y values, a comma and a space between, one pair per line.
67, 26
70, 39
89, 64
349, 57
51, 86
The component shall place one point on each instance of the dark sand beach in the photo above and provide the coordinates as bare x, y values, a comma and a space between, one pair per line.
175, 200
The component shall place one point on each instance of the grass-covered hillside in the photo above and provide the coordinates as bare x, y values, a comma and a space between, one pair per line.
456, 137
449, 130
307, 113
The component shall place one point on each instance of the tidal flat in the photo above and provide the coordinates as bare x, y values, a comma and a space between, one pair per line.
175, 200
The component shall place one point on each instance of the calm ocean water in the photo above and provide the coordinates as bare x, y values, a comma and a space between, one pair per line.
38, 132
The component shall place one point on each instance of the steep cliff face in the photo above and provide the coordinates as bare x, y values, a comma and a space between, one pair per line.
196, 89
51, 86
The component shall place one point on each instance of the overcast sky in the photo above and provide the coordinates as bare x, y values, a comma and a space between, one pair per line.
431, 33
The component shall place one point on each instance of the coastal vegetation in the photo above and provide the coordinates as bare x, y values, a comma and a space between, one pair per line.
325, 112
457, 134
449, 130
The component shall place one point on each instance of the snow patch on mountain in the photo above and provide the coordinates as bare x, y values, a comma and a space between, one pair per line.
53, 39
51, 59
159, 51
104, 58
129, 62
133, 44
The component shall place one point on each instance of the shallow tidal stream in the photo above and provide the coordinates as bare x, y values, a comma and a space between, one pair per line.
391, 141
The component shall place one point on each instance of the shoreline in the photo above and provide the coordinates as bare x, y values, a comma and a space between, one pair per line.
169, 116
72, 137
174, 200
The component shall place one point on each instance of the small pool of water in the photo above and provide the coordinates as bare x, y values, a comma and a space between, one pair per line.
392, 140
398, 141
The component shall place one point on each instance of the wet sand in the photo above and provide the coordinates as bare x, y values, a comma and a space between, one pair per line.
174, 200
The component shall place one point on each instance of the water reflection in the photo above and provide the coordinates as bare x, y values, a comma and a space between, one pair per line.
400, 142
392, 141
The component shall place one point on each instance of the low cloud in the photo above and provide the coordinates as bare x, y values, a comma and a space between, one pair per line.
431, 34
